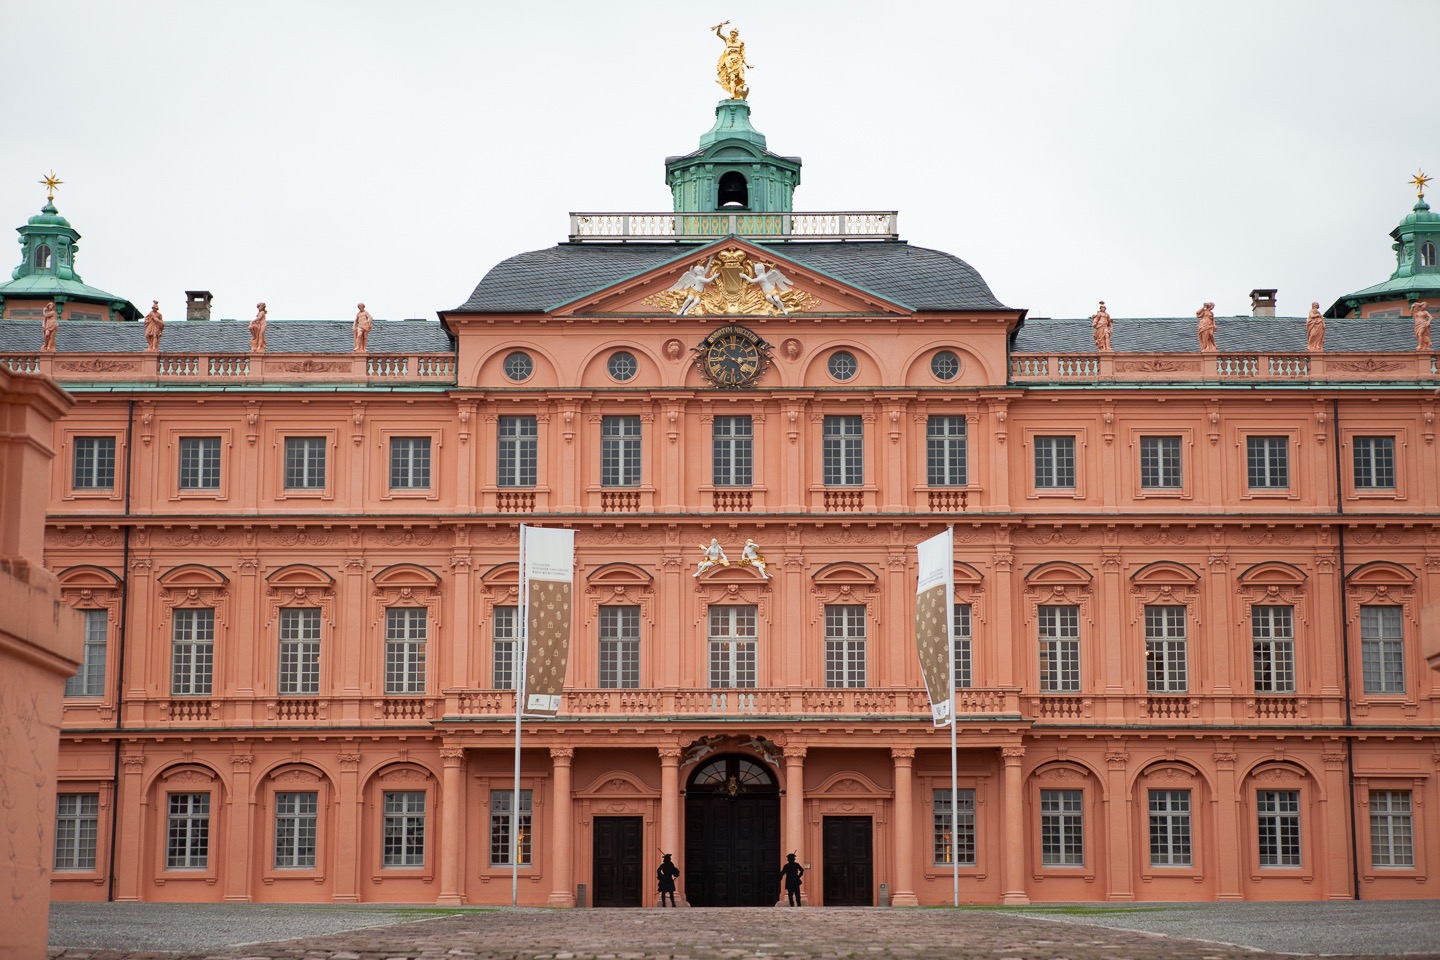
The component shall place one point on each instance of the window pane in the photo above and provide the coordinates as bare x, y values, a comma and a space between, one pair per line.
1278, 814
300, 651
1059, 628
957, 845
1055, 463
502, 817
945, 451
516, 455
1160, 463
619, 647
1268, 462
77, 824
199, 463
192, 652
296, 816
732, 451
187, 844
403, 840
304, 463
405, 634
410, 463
1392, 834
1166, 660
1273, 643
732, 646
843, 451
1062, 828
844, 645
1170, 828
1374, 459
620, 451
504, 625
89, 680
1382, 649
94, 467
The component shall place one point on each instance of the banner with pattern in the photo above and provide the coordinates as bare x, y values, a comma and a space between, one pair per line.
934, 600
547, 559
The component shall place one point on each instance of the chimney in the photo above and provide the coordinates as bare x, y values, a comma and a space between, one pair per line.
197, 304
1262, 303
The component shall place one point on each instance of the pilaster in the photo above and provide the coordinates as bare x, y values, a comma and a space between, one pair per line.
347, 852
240, 828
1117, 823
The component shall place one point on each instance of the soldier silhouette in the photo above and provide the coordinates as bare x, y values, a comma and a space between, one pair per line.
665, 876
792, 872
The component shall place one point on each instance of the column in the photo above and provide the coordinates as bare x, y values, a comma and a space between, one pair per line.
1012, 828
562, 820
240, 828
131, 826
452, 827
1117, 824
903, 886
1228, 824
347, 852
670, 810
795, 807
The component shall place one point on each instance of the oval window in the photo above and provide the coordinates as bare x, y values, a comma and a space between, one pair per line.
622, 365
945, 365
843, 365
519, 366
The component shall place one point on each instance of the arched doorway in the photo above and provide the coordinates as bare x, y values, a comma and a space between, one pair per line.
732, 834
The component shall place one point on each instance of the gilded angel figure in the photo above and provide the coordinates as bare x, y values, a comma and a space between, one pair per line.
730, 68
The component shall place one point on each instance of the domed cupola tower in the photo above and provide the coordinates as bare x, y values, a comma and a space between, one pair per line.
1417, 266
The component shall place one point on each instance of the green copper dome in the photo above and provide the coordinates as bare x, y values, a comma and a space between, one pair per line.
47, 269
1417, 265
732, 171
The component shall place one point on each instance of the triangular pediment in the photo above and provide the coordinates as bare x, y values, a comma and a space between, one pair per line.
731, 278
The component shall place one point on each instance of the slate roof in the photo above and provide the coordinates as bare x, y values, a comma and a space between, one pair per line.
226, 336
912, 276
1232, 335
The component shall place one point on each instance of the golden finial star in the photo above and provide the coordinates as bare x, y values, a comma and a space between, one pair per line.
50, 183
1420, 180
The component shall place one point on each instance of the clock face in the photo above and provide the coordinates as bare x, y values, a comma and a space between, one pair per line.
733, 358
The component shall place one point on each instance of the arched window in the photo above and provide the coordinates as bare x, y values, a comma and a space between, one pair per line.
42, 257
734, 191
1427, 254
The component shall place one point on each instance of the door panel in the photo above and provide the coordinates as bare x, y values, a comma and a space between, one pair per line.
617, 859
848, 868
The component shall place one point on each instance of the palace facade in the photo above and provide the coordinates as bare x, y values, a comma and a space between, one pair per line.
1188, 602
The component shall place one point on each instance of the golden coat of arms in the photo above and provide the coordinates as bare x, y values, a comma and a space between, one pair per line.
730, 282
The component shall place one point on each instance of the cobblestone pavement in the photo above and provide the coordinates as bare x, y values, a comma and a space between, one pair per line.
1141, 932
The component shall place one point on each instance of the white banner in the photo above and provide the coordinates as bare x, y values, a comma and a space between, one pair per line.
934, 621
547, 559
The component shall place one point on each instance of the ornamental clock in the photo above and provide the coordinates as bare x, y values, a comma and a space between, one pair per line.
732, 356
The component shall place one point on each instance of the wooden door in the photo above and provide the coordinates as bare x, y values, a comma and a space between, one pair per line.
848, 866
619, 855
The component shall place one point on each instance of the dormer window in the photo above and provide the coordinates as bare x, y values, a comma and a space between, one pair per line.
42, 257
1427, 254
734, 191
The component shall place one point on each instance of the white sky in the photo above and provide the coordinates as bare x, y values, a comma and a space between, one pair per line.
1151, 154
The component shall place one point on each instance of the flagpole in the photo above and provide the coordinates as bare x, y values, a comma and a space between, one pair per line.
518, 672
954, 775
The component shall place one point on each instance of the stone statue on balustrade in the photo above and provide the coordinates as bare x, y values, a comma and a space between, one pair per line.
363, 323
711, 556
1420, 313
1206, 328
752, 557
1101, 324
257, 329
1315, 329
154, 326
49, 327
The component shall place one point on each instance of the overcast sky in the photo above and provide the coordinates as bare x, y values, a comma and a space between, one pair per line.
1154, 155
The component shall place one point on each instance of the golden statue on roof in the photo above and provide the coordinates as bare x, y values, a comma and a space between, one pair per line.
730, 69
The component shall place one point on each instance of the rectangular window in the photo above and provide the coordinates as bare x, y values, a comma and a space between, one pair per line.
1166, 660
1268, 462
505, 625
516, 453
300, 651
844, 645
403, 842
199, 463
1279, 827
89, 680
77, 824
732, 646
1374, 462
843, 450
94, 463
187, 836
954, 845
192, 653
619, 451
296, 817
502, 816
405, 631
409, 463
961, 630
946, 454
1169, 828
732, 448
1160, 463
1382, 649
1062, 828
1272, 631
304, 463
1054, 463
1392, 833
620, 647
1059, 649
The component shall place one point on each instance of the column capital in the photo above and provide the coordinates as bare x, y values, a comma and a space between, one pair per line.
1013, 755
670, 755
349, 760
903, 756
561, 756
133, 761
795, 753
241, 761
453, 756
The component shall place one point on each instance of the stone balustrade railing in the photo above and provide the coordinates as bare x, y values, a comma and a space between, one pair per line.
230, 368
1061, 368
828, 225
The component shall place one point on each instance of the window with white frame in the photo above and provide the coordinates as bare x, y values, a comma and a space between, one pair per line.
199, 463
620, 647
305, 463
403, 829
502, 821
192, 651
1160, 463
296, 821
1374, 459
1382, 649
1278, 813
619, 451
843, 451
1392, 832
954, 844
1059, 628
844, 645
1169, 828
946, 451
1272, 631
94, 463
1166, 657
89, 680
1268, 462
300, 651
187, 834
732, 448
1062, 828
77, 825
409, 463
517, 451
732, 646
505, 634
406, 629
1055, 463
961, 629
